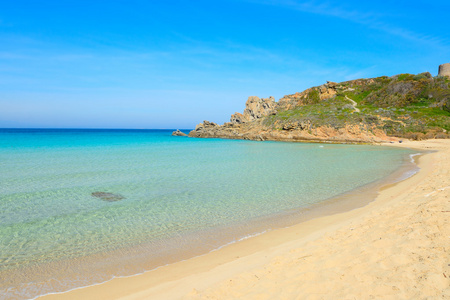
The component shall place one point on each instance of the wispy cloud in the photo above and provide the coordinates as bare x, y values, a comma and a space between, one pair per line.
369, 19
322, 8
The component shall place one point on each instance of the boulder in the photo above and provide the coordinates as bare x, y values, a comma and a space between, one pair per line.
178, 133
256, 108
238, 118
199, 127
209, 124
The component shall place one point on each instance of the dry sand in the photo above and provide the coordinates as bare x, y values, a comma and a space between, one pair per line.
397, 247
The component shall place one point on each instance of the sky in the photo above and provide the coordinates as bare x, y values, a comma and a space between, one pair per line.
172, 64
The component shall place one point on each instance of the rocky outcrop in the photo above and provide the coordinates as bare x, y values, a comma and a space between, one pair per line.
255, 108
310, 96
238, 118
296, 125
210, 129
444, 70
178, 133
206, 125
297, 131
359, 111
251, 126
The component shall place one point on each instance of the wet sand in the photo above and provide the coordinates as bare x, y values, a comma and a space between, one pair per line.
396, 247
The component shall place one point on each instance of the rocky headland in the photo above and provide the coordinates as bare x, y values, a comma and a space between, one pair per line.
358, 111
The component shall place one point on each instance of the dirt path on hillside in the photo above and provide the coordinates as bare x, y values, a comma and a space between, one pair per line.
353, 103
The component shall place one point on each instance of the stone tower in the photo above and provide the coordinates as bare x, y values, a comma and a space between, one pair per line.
444, 70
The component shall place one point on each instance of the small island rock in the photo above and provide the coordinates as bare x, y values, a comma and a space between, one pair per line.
178, 133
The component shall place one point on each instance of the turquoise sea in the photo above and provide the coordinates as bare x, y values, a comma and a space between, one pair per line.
174, 198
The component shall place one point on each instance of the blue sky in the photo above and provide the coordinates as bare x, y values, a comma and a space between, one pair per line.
173, 64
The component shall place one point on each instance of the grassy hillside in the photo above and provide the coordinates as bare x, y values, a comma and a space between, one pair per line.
405, 105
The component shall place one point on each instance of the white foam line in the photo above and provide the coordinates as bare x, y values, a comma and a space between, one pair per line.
410, 173
411, 156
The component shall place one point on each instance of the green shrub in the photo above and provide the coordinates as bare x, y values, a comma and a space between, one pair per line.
313, 96
405, 76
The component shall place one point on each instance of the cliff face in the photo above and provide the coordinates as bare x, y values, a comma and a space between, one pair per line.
361, 111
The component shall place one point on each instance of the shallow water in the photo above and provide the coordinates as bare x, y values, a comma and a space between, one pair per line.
177, 193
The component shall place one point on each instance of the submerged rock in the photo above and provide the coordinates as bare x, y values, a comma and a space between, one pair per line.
110, 197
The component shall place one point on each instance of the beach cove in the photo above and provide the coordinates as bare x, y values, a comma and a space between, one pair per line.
396, 247
224, 150
81, 207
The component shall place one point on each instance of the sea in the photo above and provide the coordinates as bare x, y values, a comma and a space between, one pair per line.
82, 206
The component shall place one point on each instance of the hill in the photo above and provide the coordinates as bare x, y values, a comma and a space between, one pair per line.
363, 110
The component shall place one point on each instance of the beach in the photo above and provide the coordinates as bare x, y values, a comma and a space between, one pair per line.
396, 247
81, 207
158, 150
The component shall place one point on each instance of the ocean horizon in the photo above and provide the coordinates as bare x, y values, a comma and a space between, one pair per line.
82, 206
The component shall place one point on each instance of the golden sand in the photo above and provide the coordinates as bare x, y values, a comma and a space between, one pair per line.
396, 247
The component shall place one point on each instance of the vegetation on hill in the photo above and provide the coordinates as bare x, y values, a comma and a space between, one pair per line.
405, 105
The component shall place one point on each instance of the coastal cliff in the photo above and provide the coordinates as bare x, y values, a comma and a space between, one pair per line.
357, 111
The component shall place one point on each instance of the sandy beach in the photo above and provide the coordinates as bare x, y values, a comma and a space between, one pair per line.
396, 247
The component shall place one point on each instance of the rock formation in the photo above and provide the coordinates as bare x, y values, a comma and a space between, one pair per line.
238, 118
250, 125
309, 96
255, 108
357, 111
178, 133
444, 70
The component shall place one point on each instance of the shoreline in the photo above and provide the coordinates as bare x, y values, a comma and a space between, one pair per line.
178, 280
258, 226
99, 267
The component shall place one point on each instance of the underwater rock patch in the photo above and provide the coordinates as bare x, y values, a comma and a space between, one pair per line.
110, 197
